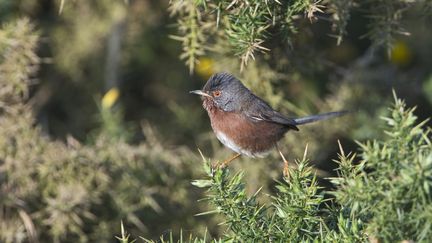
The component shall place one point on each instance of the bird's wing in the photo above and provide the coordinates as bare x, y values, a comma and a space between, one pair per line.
261, 111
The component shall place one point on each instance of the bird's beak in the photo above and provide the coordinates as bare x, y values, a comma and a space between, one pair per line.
200, 92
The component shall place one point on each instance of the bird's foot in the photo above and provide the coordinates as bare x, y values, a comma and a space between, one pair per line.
286, 172
224, 164
215, 165
219, 165
286, 167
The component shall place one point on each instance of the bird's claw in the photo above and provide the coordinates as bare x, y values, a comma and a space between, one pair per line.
215, 165
218, 165
286, 173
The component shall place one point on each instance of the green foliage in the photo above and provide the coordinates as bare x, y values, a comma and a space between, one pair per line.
296, 213
18, 62
250, 26
66, 191
84, 40
297, 206
244, 216
386, 196
68, 188
245, 23
182, 238
390, 189
124, 238
191, 30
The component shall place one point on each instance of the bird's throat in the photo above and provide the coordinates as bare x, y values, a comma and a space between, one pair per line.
209, 105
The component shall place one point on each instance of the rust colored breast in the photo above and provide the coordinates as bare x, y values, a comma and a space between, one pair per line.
251, 138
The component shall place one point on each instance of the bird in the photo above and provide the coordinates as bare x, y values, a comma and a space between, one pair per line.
244, 122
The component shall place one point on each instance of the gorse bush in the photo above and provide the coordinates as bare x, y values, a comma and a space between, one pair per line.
383, 194
66, 191
297, 212
390, 189
246, 28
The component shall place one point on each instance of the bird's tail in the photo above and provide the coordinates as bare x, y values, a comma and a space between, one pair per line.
314, 118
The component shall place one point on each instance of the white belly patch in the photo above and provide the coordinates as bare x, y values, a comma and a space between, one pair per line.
233, 146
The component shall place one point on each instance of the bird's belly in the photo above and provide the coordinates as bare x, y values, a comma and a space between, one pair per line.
253, 139
237, 148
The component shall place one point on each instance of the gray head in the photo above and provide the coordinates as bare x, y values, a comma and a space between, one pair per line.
225, 90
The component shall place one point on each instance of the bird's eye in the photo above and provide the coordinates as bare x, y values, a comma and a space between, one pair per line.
216, 93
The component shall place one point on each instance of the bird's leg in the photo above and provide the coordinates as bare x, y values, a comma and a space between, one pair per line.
286, 168
226, 162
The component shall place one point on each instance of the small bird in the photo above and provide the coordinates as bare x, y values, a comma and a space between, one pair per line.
244, 122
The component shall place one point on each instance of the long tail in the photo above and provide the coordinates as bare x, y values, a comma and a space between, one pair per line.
314, 118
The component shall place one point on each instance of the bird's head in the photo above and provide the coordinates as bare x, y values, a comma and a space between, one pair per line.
223, 91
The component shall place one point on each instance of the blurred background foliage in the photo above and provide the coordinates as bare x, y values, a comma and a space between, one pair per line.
96, 123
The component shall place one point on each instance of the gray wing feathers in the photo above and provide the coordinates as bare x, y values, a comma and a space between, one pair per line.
261, 111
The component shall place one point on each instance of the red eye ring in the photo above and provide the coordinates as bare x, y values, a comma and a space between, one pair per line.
216, 93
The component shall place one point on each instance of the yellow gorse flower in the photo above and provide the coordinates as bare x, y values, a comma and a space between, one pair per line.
110, 98
400, 54
204, 67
